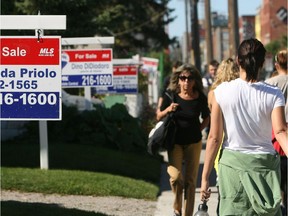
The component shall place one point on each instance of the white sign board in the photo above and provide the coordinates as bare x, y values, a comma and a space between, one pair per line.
149, 64
33, 22
30, 78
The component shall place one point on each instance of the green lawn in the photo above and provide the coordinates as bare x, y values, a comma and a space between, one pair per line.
78, 170
76, 183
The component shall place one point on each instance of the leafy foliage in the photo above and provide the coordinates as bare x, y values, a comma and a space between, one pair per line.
111, 128
274, 46
70, 156
138, 26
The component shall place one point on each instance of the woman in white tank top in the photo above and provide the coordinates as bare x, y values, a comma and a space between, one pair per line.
246, 110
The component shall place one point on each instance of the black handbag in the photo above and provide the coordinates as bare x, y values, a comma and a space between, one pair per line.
162, 136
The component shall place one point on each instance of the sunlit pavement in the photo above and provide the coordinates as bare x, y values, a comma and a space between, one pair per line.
165, 199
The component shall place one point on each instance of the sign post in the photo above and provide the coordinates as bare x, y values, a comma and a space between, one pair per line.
86, 41
150, 65
32, 22
29, 89
31, 83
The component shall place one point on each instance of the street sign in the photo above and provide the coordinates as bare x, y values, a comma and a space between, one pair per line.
30, 78
82, 68
125, 81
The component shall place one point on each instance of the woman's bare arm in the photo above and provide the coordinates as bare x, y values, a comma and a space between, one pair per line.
162, 114
280, 128
213, 143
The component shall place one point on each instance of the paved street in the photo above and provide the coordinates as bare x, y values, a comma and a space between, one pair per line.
165, 200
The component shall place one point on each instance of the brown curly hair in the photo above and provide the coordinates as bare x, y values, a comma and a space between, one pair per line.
228, 70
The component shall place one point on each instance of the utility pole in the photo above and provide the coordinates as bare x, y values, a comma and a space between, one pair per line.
233, 27
195, 34
187, 51
208, 34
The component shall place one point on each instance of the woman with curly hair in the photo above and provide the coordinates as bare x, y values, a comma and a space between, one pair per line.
189, 104
228, 70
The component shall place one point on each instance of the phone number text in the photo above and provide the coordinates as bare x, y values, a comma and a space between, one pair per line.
19, 84
29, 98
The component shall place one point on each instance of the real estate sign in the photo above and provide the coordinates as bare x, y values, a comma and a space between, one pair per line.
82, 68
30, 78
125, 80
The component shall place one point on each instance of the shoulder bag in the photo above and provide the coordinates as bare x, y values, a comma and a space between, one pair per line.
162, 136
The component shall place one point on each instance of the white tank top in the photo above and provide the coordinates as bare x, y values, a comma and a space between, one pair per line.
247, 108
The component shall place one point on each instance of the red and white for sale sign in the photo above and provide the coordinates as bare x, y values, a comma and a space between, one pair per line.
30, 78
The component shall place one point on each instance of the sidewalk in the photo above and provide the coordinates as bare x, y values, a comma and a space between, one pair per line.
165, 200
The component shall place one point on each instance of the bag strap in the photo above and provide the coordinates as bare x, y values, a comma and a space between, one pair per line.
171, 96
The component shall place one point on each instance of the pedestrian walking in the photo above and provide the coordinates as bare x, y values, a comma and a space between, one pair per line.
245, 110
228, 70
208, 78
281, 80
207, 81
190, 103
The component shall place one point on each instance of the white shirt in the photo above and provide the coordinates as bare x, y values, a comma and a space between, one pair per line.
246, 109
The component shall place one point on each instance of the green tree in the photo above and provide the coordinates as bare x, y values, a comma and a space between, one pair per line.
274, 46
138, 26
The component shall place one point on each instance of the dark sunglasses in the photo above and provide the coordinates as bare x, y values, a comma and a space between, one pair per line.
183, 78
